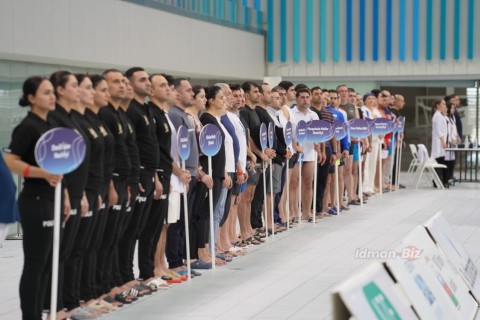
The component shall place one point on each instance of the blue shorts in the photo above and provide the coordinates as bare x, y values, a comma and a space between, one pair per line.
355, 152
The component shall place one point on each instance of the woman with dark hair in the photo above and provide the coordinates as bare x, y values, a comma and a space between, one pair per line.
198, 221
36, 201
215, 108
74, 265
452, 139
89, 288
65, 85
439, 137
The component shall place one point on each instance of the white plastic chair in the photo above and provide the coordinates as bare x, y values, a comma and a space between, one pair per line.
414, 163
428, 165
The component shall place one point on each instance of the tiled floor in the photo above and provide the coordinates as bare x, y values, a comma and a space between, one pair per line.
292, 276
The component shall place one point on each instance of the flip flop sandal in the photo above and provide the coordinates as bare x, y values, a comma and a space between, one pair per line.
123, 297
134, 294
98, 307
158, 283
223, 257
142, 289
83, 313
240, 244
253, 241
112, 301
107, 305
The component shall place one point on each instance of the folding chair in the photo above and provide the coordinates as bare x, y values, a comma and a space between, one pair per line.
428, 165
414, 163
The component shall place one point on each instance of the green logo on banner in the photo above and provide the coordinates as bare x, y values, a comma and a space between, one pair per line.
379, 303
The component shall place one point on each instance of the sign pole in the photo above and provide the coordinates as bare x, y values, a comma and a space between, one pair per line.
56, 247
393, 146
187, 234
184, 152
271, 197
380, 167
399, 162
300, 190
265, 198
336, 189
315, 188
287, 188
360, 180
210, 202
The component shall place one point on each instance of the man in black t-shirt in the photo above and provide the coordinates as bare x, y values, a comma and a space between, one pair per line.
252, 123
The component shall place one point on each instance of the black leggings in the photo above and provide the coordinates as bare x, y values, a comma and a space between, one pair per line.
37, 222
175, 250
75, 264
202, 219
108, 247
126, 247
88, 285
147, 243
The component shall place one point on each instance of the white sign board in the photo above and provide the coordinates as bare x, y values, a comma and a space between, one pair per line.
448, 242
370, 294
434, 290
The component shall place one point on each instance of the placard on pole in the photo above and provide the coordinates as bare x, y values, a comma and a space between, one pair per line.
210, 143
59, 151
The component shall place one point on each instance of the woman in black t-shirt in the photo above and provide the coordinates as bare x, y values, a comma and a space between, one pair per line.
36, 201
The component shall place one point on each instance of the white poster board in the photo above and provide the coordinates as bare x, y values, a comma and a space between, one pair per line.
370, 294
433, 287
448, 242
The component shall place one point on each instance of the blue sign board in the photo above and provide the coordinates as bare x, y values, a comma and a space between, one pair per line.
288, 133
341, 129
319, 131
210, 140
359, 128
271, 134
183, 143
301, 131
60, 150
263, 136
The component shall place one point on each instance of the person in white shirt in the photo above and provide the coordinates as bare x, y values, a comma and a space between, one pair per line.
307, 159
439, 137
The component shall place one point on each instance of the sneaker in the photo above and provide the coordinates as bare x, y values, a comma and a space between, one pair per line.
332, 211
200, 264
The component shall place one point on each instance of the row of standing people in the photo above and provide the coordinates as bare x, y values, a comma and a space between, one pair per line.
128, 189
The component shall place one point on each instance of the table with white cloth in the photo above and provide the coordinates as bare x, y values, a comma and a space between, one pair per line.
468, 161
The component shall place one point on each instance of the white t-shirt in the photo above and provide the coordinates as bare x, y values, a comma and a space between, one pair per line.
242, 138
439, 132
229, 155
296, 117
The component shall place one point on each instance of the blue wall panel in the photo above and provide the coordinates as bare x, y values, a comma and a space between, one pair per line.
401, 29
296, 30
415, 29
323, 30
375, 30
388, 31
283, 30
456, 30
270, 31
429, 34
361, 31
471, 28
309, 31
443, 29
336, 31
349, 30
